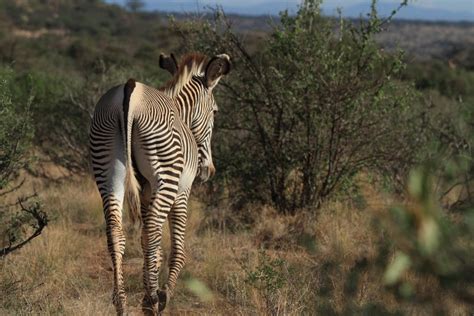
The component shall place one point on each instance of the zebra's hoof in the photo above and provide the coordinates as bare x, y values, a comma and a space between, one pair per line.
149, 305
163, 299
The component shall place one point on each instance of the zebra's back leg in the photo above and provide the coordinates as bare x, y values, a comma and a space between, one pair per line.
162, 198
108, 162
145, 199
177, 221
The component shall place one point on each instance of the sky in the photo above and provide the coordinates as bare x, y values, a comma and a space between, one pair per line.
428, 9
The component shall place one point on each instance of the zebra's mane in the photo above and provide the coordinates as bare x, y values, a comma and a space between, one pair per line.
192, 64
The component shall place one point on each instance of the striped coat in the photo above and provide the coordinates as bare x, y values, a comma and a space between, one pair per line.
151, 144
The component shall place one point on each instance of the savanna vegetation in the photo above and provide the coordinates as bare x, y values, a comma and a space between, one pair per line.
344, 177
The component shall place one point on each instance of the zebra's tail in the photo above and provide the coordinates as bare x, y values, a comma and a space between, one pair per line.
132, 187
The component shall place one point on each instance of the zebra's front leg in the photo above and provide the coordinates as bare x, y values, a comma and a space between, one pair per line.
177, 221
153, 219
116, 247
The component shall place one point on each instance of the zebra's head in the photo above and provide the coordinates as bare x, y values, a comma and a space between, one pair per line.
202, 107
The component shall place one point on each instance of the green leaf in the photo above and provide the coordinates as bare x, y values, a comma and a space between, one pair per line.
199, 289
428, 235
396, 268
415, 183
406, 290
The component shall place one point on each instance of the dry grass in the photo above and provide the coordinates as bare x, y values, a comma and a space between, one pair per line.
324, 264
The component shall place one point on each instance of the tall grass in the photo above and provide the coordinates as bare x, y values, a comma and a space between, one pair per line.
282, 265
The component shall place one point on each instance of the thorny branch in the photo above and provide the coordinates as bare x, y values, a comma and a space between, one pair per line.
41, 221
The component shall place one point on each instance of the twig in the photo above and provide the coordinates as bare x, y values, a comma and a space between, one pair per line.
41, 222
14, 188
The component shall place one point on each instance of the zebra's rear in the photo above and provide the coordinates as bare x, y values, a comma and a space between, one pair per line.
106, 144
109, 163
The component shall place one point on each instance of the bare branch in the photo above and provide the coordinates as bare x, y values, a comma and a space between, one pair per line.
41, 221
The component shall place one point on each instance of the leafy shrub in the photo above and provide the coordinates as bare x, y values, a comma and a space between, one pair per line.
15, 131
267, 278
431, 243
15, 140
316, 104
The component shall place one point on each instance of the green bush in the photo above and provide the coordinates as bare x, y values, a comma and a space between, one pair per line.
15, 140
16, 129
317, 103
268, 277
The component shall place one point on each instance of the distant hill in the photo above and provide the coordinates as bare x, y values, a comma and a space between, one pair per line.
266, 8
86, 29
411, 12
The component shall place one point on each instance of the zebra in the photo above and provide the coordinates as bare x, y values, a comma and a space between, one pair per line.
149, 145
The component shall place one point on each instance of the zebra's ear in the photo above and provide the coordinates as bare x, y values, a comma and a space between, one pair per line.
217, 67
169, 63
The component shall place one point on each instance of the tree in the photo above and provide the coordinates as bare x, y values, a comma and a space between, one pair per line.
134, 5
317, 103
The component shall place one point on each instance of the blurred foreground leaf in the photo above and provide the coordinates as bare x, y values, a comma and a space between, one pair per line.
199, 289
395, 269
